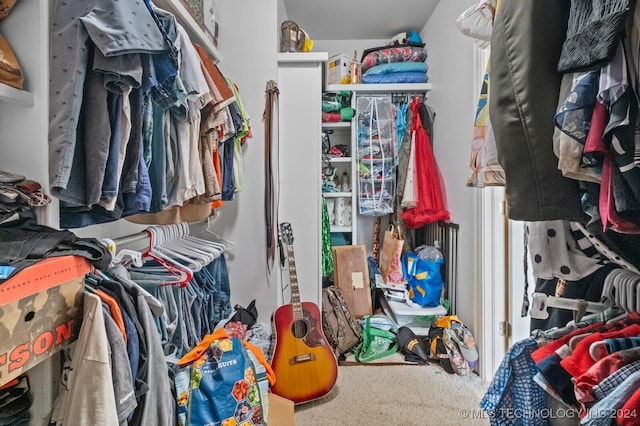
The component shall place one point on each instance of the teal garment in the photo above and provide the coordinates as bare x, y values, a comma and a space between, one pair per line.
327, 259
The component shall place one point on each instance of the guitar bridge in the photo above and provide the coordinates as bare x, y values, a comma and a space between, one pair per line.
299, 359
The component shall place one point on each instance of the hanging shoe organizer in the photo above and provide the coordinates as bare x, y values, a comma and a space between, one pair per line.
376, 155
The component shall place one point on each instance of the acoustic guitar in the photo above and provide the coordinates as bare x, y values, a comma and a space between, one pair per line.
303, 362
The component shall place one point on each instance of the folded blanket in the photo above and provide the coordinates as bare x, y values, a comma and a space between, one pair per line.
398, 67
395, 77
392, 55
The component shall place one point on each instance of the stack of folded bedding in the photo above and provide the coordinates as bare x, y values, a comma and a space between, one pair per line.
394, 64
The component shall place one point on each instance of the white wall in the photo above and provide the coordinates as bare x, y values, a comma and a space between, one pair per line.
282, 15
334, 47
248, 46
451, 72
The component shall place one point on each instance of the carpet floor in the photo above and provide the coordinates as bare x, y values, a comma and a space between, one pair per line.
408, 395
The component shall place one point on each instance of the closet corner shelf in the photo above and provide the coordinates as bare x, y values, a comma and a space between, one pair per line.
336, 194
20, 97
345, 124
303, 56
340, 159
376, 88
196, 32
340, 229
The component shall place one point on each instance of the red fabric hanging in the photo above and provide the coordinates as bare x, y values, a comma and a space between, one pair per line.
432, 201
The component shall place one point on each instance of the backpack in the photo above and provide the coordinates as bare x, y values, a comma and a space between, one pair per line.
340, 328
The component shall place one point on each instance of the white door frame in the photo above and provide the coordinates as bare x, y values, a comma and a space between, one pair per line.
491, 270
499, 254
491, 279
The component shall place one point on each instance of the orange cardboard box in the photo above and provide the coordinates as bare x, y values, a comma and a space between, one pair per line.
37, 309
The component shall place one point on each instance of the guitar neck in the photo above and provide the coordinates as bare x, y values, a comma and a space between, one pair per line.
293, 282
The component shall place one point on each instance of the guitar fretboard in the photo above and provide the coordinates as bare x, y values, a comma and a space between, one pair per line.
293, 282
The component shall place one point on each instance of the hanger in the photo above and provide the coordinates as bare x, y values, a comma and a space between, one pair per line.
541, 301
180, 273
227, 244
167, 242
124, 256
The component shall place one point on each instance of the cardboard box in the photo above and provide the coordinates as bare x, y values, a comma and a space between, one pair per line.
339, 69
280, 411
37, 309
351, 274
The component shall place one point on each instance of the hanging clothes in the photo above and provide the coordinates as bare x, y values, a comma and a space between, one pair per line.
485, 169
521, 110
431, 198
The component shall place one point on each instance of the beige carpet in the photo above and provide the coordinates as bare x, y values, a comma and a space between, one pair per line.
411, 395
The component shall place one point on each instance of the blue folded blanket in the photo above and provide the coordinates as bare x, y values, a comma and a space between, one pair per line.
396, 77
398, 67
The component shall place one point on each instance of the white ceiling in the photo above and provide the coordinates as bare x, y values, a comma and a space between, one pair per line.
356, 20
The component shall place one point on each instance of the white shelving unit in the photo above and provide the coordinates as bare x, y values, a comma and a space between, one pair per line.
345, 132
342, 135
300, 199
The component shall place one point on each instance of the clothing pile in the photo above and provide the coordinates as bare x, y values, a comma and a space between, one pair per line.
336, 107
587, 370
19, 195
398, 63
452, 343
23, 242
15, 402
142, 123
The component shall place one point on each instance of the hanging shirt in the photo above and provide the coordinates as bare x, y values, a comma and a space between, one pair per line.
112, 29
87, 397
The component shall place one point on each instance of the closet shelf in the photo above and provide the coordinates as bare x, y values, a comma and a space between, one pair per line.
336, 194
340, 228
340, 159
380, 88
196, 32
302, 57
345, 124
20, 97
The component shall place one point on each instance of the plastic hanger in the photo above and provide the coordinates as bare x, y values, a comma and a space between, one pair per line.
228, 244
123, 257
165, 243
182, 274
540, 303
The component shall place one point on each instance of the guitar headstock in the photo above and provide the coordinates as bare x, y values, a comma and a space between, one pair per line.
285, 233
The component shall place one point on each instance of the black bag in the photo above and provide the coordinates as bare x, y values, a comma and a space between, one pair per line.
247, 316
340, 328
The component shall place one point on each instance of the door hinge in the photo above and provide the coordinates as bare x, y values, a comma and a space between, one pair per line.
504, 329
503, 208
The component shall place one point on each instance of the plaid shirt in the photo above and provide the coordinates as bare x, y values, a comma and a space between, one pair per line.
604, 410
607, 385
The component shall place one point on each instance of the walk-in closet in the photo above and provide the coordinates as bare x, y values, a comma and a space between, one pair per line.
291, 212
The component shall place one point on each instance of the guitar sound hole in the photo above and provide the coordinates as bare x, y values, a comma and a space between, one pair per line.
299, 329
